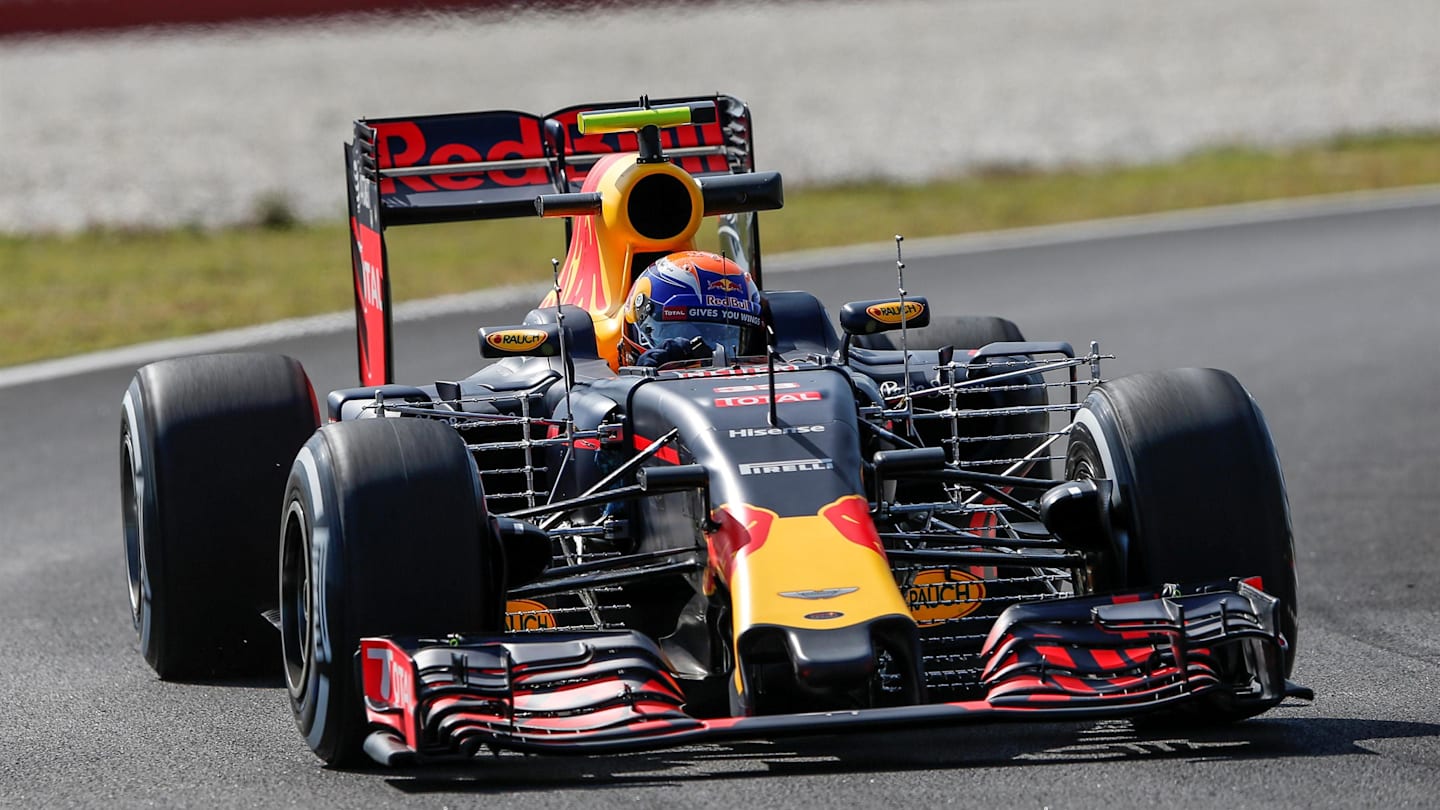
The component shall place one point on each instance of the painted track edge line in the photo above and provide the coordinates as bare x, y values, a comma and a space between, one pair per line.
1189, 219
1117, 227
246, 336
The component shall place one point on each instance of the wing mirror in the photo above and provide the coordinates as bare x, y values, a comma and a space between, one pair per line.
884, 315
529, 340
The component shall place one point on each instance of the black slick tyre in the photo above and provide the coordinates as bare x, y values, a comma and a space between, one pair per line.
962, 332
205, 444
383, 532
1199, 490
974, 332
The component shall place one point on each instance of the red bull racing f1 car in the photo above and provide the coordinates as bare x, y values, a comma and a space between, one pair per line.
906, 520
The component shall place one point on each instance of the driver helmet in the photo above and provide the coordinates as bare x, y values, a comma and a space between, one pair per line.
693, 294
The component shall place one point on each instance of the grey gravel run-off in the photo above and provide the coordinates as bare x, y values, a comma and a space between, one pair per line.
193, 127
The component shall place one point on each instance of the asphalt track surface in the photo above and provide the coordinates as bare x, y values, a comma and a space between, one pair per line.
1329, 320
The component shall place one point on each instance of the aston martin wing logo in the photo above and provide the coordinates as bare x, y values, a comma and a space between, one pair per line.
818, 593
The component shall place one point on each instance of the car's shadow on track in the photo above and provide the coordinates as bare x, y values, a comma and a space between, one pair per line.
983, 746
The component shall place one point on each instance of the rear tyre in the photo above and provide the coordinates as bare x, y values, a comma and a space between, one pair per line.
974, 332
1199, 491
962, 332
384, 532
204, 446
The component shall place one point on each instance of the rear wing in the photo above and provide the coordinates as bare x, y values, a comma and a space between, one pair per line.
491, 165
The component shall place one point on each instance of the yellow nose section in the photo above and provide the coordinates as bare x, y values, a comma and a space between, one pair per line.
815, 572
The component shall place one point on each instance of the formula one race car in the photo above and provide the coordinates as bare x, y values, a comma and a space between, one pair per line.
609, 540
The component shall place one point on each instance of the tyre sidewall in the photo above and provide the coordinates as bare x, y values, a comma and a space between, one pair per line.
324, 702
143, 545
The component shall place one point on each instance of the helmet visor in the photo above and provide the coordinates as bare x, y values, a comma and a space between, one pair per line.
738, 340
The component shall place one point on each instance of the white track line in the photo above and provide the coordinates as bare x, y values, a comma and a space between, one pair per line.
1069, 233
1194, 219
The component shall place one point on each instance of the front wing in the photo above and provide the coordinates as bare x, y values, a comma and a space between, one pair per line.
600, 692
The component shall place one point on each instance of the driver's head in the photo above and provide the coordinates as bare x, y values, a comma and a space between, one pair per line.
692, 294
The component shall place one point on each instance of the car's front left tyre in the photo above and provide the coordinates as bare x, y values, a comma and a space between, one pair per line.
1199, 490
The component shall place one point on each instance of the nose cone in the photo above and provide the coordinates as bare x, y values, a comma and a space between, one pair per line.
813, 596
817, 571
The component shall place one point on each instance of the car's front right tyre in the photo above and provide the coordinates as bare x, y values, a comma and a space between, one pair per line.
383, 532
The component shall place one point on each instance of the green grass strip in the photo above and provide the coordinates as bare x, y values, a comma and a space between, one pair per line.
67, 294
